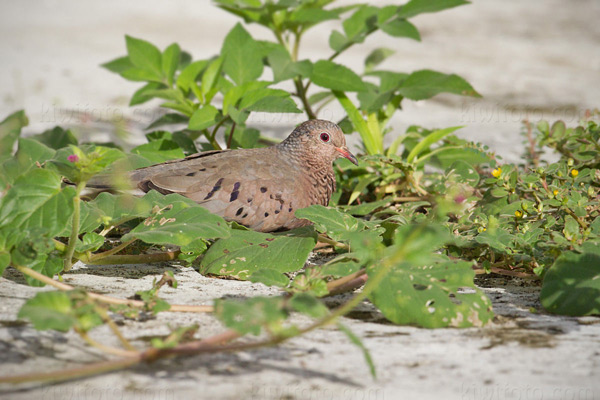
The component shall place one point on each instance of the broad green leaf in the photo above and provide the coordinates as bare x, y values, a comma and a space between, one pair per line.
252, 315
179, 224
429, 140
465, 172
425, 84
210, 78
45, 264
334, 76
145, 56
415, 7
159, 151
269, 100
311, 16
56, 138
10, 129
269, 277
329, 220
243, 61
204, 117
572, 285
170, 62
37, 200
246, 252
49, 310
245, 138
432, 296
30, 155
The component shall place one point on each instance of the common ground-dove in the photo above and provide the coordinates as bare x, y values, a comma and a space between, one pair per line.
259, 188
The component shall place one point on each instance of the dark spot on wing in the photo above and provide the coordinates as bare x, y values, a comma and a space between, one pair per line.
239, 211
244, 216
236, 191
190, 174
202, 169
250, 200
263, 189
290, 210
276, 211
214, 189
266, 215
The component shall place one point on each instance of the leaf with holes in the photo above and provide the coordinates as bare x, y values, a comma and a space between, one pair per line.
246, 252
179, 224
432, 296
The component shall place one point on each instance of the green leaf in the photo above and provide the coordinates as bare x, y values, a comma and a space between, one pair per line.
246, 252
56, 138
243, 61
211, 77
190, 73
401, 28
118, 65
337, 41
10, 129
203, 118
376, 57
49, 310
572, 285
363, 20
4, 260
141, 75
334, 76
269, 277
308, 304
329, 220
168, 119
252, 315
170, 62
37, 200
269, 100
145, 93
430, 139
145, 56
30, 154
179, 224
91, 241
159, 151
425, 84
465, 172
432, 296
415, 7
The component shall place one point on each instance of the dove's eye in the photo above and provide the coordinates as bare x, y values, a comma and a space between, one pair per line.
325, 137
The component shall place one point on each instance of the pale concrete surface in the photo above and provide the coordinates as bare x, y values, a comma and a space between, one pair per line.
535, 59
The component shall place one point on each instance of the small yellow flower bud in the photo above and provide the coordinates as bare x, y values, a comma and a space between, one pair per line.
497, 172
518, 214
555, 192
574, 173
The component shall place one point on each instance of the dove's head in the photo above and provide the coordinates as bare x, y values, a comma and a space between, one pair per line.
318, 140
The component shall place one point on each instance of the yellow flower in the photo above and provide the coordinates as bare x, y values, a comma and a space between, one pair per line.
497, 172
518, 214
555, 192
574, 173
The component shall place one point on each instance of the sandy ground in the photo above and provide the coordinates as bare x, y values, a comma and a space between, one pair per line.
533, 60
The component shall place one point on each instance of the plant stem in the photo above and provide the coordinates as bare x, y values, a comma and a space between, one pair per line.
211, 344
230, 139
108, 299
107, 349
68, 258
110, 252
581, 223
113, 327
325, 239
136, 258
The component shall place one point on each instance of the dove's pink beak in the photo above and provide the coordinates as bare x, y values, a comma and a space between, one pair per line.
347, 155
